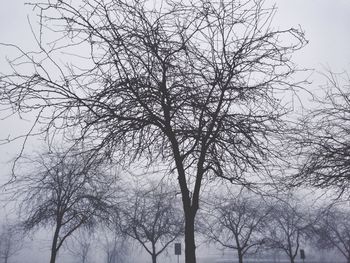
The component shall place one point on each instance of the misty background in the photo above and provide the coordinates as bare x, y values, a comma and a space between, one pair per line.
326, 24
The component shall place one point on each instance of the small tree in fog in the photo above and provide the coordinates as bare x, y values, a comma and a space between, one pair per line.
237, 222
153, 219
81, 245
288, 227
333, 230
11, 241
114, 246
65, 191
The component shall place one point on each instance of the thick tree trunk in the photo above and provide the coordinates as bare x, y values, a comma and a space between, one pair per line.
240, 257
54, 245
53, 256
190, 209
154, 258
190, 245
292, 260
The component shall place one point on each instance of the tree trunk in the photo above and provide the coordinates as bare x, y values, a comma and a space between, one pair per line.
291, 259
240, 256
190, 245
154, 253
189, 209
54, 245
53, 256
154, 258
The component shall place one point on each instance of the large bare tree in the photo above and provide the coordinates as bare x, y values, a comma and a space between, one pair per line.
67, 191
195, 85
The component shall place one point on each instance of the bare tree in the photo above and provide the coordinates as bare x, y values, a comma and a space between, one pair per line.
288, 227
11, 241
333, 230
237, 222
153, 219
325, 138
64, 190
194, 85
115, 246
81, 245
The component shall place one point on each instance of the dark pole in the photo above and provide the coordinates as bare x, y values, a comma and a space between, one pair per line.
178, 251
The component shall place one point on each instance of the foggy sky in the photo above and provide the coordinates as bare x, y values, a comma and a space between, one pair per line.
325, 22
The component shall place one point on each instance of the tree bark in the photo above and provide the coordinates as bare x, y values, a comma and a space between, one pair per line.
240, 256
190, 209
190, 245
154, 258
154, 253
54, 245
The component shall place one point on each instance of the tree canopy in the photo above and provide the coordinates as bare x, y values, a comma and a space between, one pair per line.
195, 85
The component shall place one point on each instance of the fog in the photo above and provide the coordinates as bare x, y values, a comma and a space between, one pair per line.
326, 24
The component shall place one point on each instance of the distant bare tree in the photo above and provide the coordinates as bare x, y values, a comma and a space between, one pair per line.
289, 227
153, 219
11, 241
64, 190
325, 138
237, 222
81, 245
115, 246
194, 85
333, 230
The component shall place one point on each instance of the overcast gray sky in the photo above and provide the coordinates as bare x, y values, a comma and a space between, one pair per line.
327, 27
326, 24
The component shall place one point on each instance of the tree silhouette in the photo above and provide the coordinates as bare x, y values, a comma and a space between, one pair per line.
11, 241
289, 226
152, 218
238, 222
194, 85
325, 138
67, 191
333, 230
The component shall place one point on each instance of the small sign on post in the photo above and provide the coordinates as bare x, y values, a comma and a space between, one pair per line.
178, 250
302, 254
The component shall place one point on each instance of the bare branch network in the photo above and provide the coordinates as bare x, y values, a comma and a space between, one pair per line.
203, 87
324, 140
201, 77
